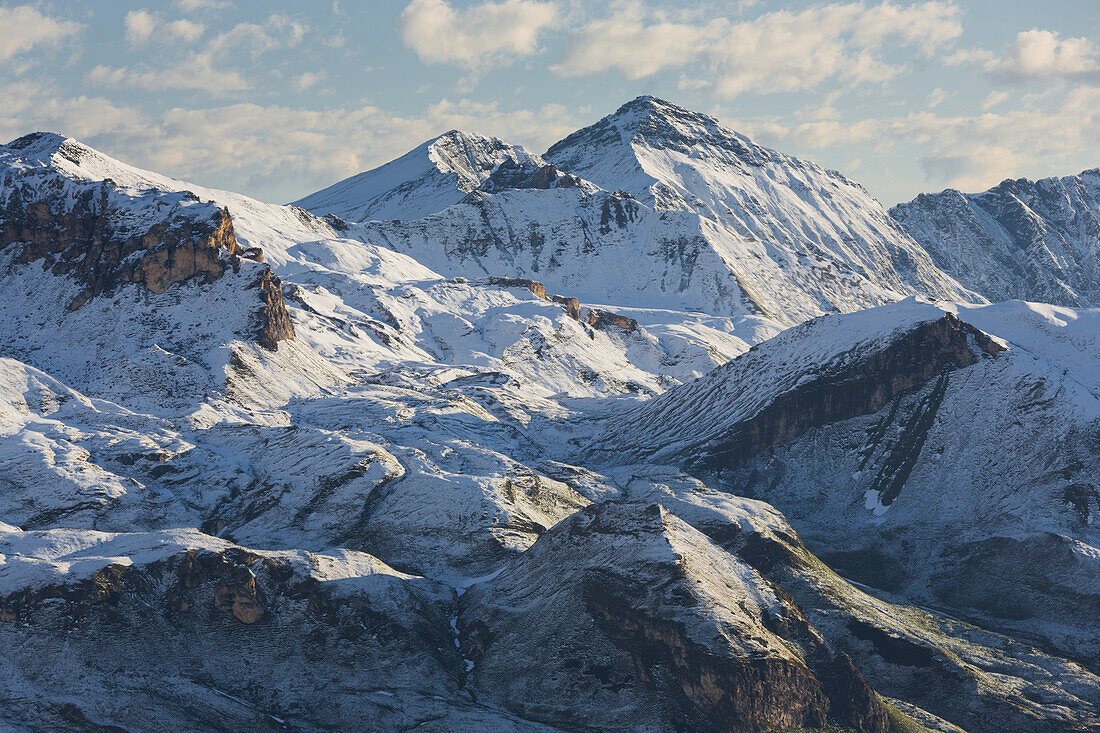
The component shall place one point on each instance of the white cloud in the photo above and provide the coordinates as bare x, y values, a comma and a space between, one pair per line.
190, 6
777, 51
994, 99
935, 98
1044, 55
976, 152
1036, 55
26, 28
488, 33
277, 32
308, 80
195, 73
141, 27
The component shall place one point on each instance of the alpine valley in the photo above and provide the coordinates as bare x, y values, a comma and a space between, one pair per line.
659, 430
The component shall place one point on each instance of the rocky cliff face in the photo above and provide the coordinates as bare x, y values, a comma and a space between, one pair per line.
756, 403
105, 237
1032, 240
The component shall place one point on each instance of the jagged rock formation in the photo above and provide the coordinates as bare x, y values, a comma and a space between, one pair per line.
1032, 240
105, 236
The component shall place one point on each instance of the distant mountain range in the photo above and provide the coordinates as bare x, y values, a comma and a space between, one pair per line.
659, 430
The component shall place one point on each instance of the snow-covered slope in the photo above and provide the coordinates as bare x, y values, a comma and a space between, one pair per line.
1032, 240
425, 180
801, 225
655, 207
393, 415
903, 432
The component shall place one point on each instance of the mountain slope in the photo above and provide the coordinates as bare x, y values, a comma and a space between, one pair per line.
905, 432
658, 207
427, 179
1032, 240
270, 470
796, 214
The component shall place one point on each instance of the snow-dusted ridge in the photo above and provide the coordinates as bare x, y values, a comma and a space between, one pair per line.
1031, 240
666, 208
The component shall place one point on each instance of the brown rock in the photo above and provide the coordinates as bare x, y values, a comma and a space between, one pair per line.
239, 594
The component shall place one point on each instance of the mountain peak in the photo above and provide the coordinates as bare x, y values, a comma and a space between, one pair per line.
41, 147
430, 177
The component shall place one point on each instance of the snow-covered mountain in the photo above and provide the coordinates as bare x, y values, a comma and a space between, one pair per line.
1033, 240
659, 207
425, 180
794, 224
964, 437
264, 468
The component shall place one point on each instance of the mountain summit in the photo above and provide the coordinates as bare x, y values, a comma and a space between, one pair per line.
428, 178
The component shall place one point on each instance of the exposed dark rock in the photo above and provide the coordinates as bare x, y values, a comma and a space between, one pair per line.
275, 324
602, 319
512, 175
907, 362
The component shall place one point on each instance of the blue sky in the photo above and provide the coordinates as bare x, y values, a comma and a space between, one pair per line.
278, 99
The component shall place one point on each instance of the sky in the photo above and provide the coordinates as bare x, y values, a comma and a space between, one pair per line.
277, 99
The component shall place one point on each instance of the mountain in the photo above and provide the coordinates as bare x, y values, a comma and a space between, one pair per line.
425, 180
799, 225
268, 468
661, 208
908, 431
1032, 240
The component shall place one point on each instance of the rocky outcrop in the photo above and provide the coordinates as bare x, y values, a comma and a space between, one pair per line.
537, 289
94, 240
854, 380
274, 320
624, 616
602, 319
105, 238
511, 174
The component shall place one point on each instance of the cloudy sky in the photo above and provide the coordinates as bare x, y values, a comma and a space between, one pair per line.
277, 99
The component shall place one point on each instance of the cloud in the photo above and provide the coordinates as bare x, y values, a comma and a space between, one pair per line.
141, 26
777, 51
308, 80
935, 98
27, 28
277, 32
1036, 56
978, 151
485, 34
1039, 55
994, 99
194, 73
190, 6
